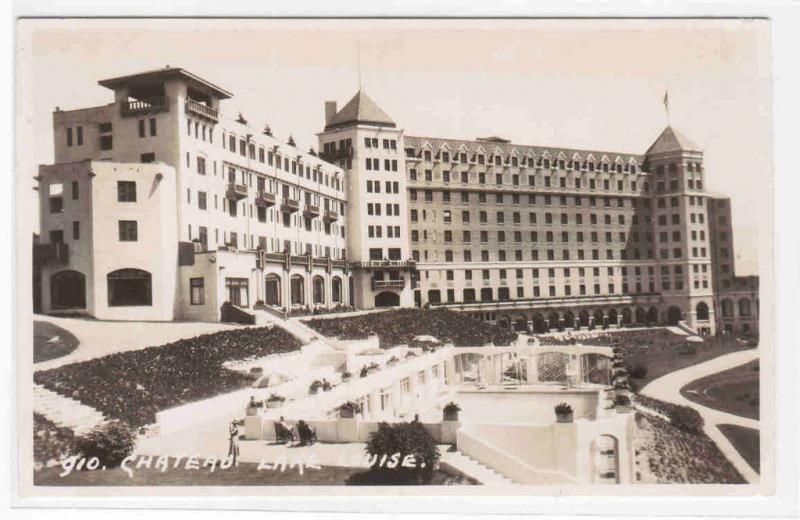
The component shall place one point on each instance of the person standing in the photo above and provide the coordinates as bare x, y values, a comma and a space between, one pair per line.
233, 445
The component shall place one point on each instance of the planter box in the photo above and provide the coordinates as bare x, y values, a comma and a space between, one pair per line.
346, 414
564, 417
624, 408
449, 416
252, 411
274, 404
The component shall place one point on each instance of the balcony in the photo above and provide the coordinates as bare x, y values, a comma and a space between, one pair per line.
146, 106
333, 156
385, 264
331, 216
388, 284
57, 252
290, 205
201, 110
311, 211
265, 199
236, 191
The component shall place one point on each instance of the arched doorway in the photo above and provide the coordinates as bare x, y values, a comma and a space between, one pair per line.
468, 295
599, 319
605, 460
298, 290
272, 290
554, 321
486, 294
569, 319
336, 290
673, 315
701, 311
583, 318
613, 317
627, 316
129, 287
68, 290
539, 325
387, 299
727, 308
652, 315
641, 315
521, 324
318, 289
434, 296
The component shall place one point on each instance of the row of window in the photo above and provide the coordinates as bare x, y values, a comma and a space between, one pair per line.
530, 162
377, 231
374, 165
272, 244
533, 218
375, 187
388, 144
501, 255
548, 181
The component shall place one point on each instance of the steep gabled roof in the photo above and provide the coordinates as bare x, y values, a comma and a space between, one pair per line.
360, 109
671, 141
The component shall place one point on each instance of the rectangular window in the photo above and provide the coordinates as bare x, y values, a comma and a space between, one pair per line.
76, 230
106, 142
128, 231
80, 135
197, 288
126, 191
75, 192
152, 126
69, 136
142, 127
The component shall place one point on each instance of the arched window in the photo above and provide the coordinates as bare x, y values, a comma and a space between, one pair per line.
319, 289
272, 293
727, 308
744, 307
298, 290
68, 290
701, 311
130, 287
336, 290
469, 295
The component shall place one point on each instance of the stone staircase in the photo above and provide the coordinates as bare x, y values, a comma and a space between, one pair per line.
472, 468
66, 412
336, 360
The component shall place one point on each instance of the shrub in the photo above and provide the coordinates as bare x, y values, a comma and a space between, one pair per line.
346, 375
364, 371
275, 398
686, 419
403, 439
563, 409
315, 386
637, 371
622, 400
451, 407
110, 443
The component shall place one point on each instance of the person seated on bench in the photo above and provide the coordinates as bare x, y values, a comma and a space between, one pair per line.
307, 434
283, 431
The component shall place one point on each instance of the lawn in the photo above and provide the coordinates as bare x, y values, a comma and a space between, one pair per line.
746, 441
734, 391
51, 341
396, 327
678, 457
133, 386
245, 474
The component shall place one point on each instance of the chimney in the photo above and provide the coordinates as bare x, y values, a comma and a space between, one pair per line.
330, 111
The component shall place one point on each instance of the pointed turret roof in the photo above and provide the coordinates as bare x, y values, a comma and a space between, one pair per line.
360, 109
671, 141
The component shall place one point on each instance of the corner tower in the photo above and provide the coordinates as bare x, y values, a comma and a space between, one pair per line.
681, 230
364, 141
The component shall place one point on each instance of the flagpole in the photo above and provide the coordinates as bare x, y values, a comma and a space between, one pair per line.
666, 107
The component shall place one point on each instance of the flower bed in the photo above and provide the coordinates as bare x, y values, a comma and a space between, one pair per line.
401, 326
50, 441
677, 457
133, 386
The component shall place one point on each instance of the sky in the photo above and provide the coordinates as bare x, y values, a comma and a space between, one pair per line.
586, 84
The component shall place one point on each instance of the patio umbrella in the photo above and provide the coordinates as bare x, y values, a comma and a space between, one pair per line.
272, 379
694, 339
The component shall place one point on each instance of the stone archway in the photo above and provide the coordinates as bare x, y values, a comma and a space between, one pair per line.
569, 319
68, 290
627, 316
701, 311
674, 315
583, 318
539, 324
641, 315
652, 315
387, 299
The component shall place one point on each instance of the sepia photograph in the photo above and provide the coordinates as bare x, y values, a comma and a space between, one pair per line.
505, 256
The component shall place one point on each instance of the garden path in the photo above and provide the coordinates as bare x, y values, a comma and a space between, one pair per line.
668, 388
101, 338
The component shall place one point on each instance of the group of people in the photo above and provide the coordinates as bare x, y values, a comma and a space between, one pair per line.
285, 432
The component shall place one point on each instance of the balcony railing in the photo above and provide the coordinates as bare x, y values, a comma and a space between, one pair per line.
145, 106
383, 264
58, 252
265, 199
202, 110
311, 211
388, 284
236, 191
290, 205
331, 216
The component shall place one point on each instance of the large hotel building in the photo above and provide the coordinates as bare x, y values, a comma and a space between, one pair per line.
160, 207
